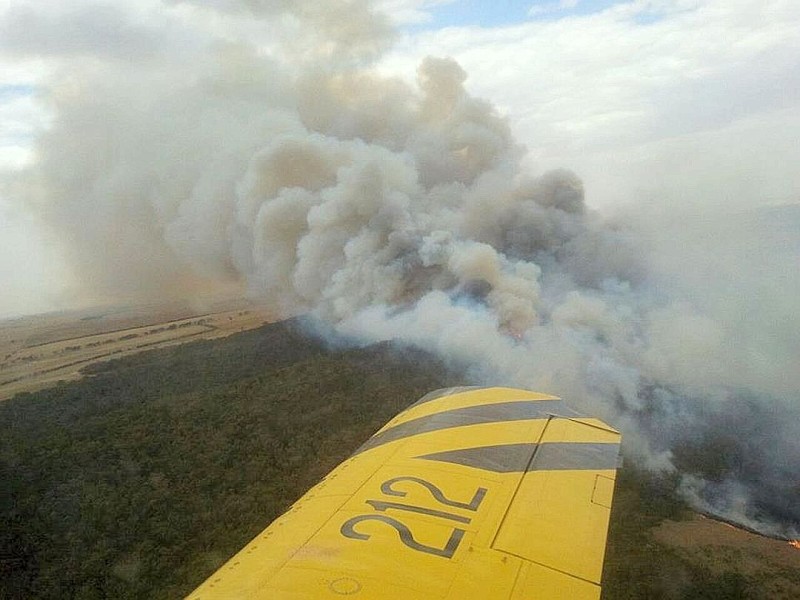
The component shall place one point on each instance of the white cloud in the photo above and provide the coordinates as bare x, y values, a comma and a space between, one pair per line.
410, 12
603, 90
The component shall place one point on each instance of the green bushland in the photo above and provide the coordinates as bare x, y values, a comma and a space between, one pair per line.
141, 479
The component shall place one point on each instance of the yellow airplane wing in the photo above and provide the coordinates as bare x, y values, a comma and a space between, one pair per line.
490, 493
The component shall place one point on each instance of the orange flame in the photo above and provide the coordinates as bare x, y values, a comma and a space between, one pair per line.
795, 543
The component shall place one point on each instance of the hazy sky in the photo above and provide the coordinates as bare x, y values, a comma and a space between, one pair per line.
664, 102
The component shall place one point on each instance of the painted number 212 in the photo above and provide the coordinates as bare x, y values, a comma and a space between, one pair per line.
388, 488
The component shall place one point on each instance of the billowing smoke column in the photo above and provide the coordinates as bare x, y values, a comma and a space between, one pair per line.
400, 212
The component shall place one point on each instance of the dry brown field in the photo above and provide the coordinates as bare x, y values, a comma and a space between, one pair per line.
38, 351
722, 547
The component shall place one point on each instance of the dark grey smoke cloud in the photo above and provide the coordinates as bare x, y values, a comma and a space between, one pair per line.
397, 211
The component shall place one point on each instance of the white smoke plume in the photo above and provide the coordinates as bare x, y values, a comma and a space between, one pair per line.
185, 159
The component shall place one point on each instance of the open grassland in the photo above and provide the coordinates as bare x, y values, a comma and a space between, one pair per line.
724, 548
36, 352
144, 476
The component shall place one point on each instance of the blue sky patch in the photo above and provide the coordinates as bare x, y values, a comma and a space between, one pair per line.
480, 13
9, 92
